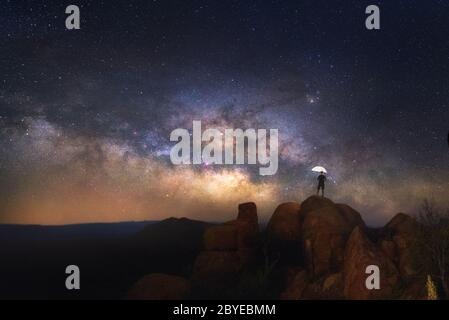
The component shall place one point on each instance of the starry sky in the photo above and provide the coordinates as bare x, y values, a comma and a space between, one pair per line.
86, 115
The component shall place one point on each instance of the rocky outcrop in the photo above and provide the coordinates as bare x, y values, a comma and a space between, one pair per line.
221, 238
312, 234
324, 232
159, 286
285, 224
360, 253
296, 287
314, 203
229, 248
397, 241
302, 287
415, 290
236, 234
316, 250
284, 233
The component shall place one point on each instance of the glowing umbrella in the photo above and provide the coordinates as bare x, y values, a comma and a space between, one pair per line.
319, 169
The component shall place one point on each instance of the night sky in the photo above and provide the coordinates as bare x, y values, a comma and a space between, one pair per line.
86, 115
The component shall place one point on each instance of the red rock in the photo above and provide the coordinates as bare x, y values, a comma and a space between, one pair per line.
296, 287
351, 216
248, 212
324, 233
216, 269
315, 203
333, 282
389, 248
401, 230
247, 233
221, 238
360, 252
285, 224
415, 290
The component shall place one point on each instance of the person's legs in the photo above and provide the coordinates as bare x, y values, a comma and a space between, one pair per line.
320, 187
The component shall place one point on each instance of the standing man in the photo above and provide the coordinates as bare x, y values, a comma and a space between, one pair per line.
321, 179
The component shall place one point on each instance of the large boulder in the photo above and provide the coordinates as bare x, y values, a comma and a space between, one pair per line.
351, 216
216, 264
159, 286
284, 233
296, 287
301, 287
247, 233
285, 224
246, 225
235, 234
229, 249
327, 287
314, 203
221, 238
360, 252
215, 271
400, 235
389, 248
324, 232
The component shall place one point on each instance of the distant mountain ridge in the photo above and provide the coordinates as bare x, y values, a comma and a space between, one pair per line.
71, 231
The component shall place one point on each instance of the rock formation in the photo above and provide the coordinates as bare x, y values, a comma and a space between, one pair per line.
229, 248
360, 253
284, 233
324, 233
314, 250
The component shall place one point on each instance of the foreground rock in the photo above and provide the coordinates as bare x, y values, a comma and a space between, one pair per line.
221, 238
296, 286
159, 286
316, 250
228, 249
284, 233
397, 240
302, 287
324, 232
360, 252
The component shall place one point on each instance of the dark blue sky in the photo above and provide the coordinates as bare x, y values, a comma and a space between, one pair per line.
84, 111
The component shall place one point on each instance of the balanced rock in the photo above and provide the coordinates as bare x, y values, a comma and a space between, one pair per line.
248, 212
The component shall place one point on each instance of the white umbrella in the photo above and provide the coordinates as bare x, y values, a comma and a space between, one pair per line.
319, 169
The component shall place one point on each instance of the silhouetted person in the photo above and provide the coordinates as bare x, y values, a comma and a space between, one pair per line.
321, 179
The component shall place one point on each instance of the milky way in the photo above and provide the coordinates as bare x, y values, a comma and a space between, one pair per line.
86, 115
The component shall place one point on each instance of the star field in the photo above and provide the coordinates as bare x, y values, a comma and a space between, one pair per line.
86, 115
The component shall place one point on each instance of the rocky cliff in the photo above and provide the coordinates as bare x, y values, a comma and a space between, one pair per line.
314, 250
